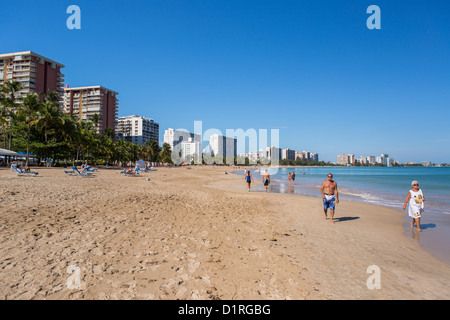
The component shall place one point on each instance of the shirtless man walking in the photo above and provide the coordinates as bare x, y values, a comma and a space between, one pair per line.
330, 195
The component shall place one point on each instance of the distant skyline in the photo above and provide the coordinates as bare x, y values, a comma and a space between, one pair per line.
311, 69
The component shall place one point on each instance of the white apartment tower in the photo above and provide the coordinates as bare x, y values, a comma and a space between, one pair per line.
137, 129
191, 150
175, 137
222, 146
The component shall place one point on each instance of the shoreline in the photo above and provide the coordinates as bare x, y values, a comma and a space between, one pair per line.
433, 242
387, 218
198, 234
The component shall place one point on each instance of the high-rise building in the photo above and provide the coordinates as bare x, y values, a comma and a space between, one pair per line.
384, 159
346, 159
314, 156
288, 154
191, 150
371, 159
175, 137
299, 156
222, 146
351, 159
85, 102
273, 153
36, 74
137, 129
306, 155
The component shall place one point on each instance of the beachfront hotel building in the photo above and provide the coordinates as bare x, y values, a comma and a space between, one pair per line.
175, 137
36, 73
306, 155
288, 154
314, 156
299, 155
85, 102
273, 153
191, 151
222, 146
346, 159
137, 129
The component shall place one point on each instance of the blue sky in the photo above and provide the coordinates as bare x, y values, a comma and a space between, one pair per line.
311, 69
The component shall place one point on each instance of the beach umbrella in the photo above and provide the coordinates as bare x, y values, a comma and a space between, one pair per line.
5, 152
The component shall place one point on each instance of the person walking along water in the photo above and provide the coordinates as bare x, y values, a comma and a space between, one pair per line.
415, 202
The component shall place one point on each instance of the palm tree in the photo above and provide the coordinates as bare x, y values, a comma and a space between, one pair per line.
30, 105
95, 118
8, 93
52, 96
3, 116
3, 124
152, 149
10, 88
166, 153
47, 117
109, 132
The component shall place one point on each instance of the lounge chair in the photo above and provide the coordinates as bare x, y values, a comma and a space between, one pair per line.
131, 174
76, 172
21, 172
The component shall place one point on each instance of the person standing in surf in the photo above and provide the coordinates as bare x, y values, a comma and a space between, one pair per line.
415, 202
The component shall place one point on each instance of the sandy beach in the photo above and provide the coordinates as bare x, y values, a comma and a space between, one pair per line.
198, 234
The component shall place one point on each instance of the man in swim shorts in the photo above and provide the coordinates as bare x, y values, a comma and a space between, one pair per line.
330, 196
266, 180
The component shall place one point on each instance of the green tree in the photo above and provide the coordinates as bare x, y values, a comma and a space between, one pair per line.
96, 118
166, 153
152, 150
9, 105
30, 106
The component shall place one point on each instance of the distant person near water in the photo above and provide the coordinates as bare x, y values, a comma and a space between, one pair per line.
293, 177
249, 179
330, 195
415, 202
266, 180
289, 177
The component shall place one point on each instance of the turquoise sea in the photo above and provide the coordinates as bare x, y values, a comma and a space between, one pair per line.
383, 186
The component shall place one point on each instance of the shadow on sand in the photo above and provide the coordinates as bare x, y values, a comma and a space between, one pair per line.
342, 219
427, 226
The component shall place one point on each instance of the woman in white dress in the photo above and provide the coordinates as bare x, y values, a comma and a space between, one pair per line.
415, 202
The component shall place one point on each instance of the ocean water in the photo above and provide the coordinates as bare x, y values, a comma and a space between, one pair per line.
379, 186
